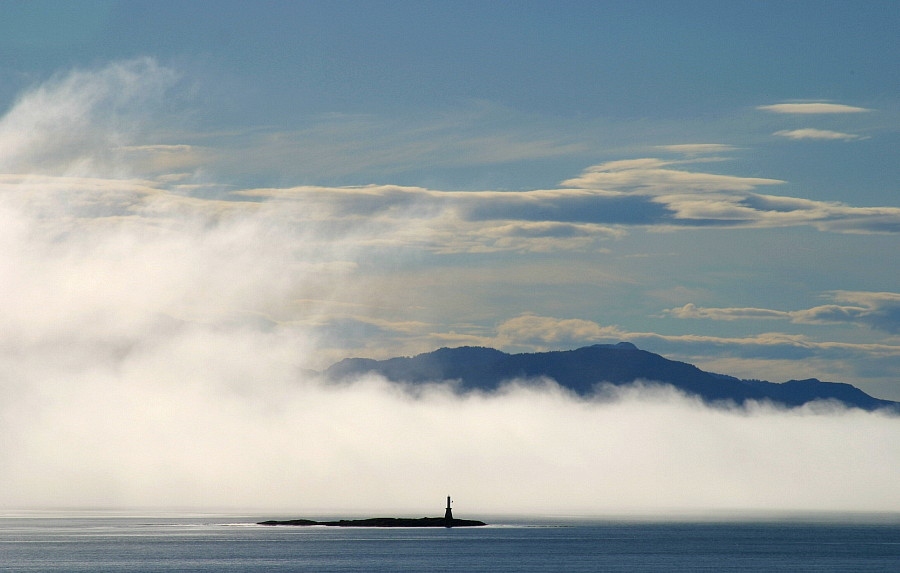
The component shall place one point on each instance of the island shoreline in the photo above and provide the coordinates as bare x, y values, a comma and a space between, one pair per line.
380, 522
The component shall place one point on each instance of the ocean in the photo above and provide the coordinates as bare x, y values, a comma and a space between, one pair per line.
31, 542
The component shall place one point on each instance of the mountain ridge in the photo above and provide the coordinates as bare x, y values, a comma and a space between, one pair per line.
582, 369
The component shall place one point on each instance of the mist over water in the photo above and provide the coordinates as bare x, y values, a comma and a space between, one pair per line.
149, 358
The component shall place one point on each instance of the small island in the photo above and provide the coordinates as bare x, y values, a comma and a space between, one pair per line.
447, 521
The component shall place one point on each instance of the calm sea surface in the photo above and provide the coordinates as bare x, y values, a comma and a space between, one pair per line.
31, 542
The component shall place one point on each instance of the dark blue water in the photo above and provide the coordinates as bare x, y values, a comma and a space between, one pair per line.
114, 544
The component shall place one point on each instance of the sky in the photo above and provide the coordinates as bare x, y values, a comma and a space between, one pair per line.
203, 203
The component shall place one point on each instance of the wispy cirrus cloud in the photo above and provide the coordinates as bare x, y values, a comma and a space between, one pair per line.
812, 108
817, 134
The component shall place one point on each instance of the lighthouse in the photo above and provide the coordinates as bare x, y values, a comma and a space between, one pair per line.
448, 515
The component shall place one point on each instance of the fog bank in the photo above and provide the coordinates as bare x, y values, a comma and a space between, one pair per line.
220, 420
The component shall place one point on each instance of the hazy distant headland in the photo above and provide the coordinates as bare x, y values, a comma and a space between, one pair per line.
581, 370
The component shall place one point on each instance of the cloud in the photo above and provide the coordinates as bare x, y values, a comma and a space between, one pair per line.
881, 309
522, 237
650, 176
599, 205
878, 310
76, 123
690, 310
812, 108
542, 332
818, 134
572, 206
692, 199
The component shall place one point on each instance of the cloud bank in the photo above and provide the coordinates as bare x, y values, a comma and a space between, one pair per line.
221, 438
812, 108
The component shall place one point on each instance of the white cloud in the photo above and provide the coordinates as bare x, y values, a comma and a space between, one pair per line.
543, 332
77, 123
521, 237
671, 198
818, 134
812, 108
653, 177
691, 310
600, 204
879, 310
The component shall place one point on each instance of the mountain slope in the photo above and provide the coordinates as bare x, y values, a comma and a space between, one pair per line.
582, 369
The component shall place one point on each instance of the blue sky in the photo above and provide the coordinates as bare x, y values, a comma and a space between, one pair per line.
714, 182
202, 203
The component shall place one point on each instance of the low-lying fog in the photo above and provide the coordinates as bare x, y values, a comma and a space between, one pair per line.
218, 418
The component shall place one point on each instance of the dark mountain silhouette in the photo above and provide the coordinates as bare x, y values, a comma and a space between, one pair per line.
581, 370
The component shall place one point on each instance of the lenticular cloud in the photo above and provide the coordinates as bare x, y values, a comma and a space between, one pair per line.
150, 358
